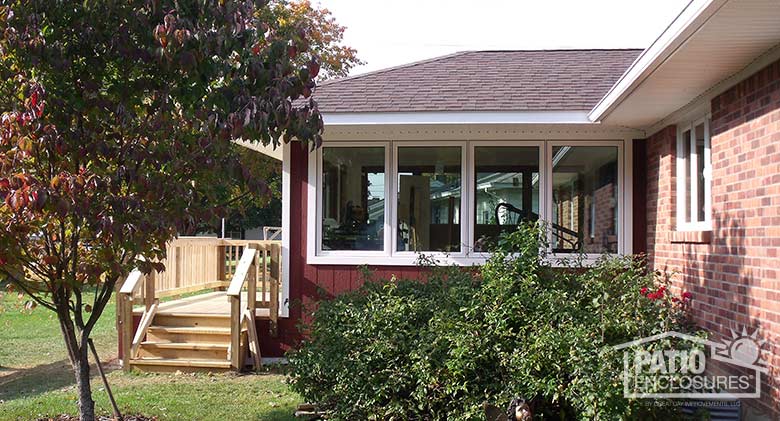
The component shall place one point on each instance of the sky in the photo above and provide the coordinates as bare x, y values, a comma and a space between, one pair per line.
393, 32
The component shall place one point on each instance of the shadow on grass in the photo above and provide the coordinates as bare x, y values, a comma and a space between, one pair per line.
278, 415
36, 380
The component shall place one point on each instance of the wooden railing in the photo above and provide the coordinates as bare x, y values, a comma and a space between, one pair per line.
200, 263
245, 273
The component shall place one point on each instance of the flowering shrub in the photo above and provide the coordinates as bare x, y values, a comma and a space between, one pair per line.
513, 327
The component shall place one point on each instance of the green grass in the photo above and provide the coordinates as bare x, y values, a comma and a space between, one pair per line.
171, 397
36, 379
30, 338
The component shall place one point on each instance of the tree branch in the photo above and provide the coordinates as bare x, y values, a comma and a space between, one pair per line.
27, 291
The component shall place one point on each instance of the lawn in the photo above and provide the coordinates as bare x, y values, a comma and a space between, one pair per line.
36, 380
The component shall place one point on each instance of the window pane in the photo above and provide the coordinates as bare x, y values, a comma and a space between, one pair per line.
584, 199
700, 172
353, 198
506, 190
686, 154
429, 191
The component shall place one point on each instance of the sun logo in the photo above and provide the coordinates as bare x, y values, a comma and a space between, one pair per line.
743, 347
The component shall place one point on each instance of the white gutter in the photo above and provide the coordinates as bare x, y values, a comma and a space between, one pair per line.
687, 23
457, 117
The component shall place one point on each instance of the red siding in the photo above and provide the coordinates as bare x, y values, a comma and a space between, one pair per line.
311, 283
733, 276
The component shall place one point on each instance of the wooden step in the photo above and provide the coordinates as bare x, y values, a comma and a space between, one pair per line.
188, 334
192, 320
185, 351
179, 364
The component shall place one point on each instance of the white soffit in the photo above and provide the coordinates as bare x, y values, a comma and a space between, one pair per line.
268, 150
709, 41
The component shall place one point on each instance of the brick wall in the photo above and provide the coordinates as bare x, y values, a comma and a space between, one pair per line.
732, 272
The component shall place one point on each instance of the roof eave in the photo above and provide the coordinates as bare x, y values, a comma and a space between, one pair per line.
456, 117
690, 19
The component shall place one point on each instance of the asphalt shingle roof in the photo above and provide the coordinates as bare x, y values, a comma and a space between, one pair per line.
528, 80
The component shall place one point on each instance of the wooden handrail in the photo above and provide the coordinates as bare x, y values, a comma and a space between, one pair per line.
130, 342
132, 282
246, 271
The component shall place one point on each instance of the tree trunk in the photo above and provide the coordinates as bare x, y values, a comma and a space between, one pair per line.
79, 361
86, 404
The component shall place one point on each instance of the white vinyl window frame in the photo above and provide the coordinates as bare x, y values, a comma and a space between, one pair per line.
623, 200
464, 213
693, 223
387, 226
471, 169
466, 256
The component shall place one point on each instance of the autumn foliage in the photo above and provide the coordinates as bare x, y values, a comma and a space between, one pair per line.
115, 134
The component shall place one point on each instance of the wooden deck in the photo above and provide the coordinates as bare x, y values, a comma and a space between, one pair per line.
211, 303
214, 330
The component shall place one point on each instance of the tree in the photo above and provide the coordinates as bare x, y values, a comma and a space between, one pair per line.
324, 37
115, 133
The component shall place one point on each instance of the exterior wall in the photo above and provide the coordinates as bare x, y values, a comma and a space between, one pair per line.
311, 283
731, 271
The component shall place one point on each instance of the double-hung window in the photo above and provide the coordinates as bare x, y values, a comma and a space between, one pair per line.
694, 177
385, 202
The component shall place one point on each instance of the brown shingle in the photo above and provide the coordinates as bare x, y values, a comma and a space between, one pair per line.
530, 80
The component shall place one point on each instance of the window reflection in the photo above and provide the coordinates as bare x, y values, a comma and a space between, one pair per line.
506, 191
584, 199
353, 199
429, 196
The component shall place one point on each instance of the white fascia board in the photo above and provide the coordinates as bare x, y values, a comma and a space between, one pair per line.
692, 17
457, 117
267, 150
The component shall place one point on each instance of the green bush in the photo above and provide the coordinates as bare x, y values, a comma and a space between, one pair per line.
515, 326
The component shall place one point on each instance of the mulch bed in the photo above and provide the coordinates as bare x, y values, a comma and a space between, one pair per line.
76, 418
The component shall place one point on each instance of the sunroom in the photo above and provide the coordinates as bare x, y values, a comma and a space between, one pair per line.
400, 175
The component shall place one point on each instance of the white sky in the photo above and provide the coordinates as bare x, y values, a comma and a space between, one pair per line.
392, 32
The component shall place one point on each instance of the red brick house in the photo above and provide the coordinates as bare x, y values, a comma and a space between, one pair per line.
673, 151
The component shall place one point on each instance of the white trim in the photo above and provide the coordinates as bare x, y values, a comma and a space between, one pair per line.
682, 187
318, 200
312, 213
695, 14
457, 117
472, 132
627, 174
466, 257
284, 298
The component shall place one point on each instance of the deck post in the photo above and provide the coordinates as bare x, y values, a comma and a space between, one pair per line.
125, 312
251, 287
235, 332
149, 287
221, 263
273, 310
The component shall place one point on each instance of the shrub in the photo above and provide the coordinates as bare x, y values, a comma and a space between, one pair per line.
399, 349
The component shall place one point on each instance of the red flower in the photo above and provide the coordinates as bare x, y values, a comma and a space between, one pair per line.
643, 291
687, 295
653, 296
